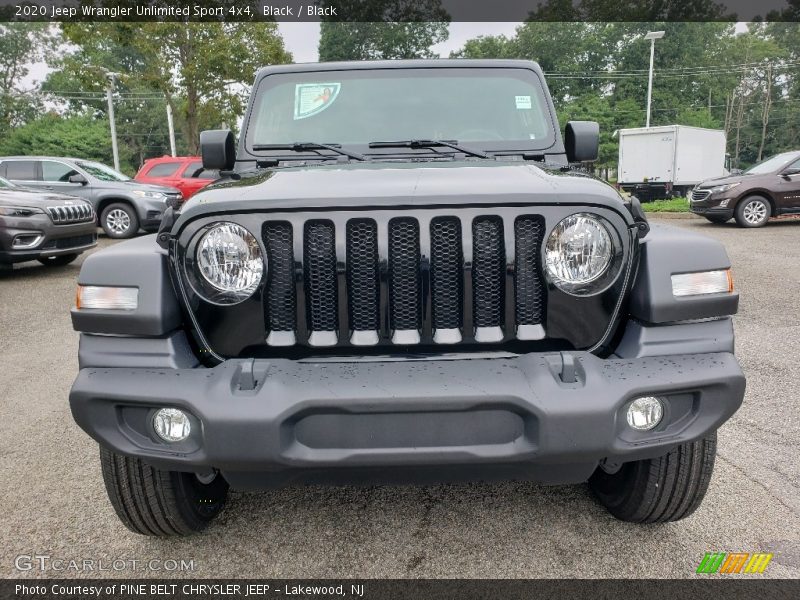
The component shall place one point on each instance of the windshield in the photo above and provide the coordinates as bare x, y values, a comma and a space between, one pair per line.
495, 109
102, 172
772, 164
5, 183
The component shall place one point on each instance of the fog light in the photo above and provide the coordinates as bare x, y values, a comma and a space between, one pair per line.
645, 413
171, 424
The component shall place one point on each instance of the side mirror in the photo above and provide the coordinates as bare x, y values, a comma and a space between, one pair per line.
582, 141
78, 178
791, 171
736, 171
218, 149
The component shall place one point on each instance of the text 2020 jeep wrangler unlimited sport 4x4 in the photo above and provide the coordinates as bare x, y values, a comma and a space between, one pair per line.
399, 278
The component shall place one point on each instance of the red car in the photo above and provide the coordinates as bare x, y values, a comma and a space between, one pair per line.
183, 172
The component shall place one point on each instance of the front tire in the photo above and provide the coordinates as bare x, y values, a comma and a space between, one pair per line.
658, 490
754, 211
119, 220
160, 503
58, 261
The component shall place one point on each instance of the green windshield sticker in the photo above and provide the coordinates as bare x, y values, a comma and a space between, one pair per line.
312, 98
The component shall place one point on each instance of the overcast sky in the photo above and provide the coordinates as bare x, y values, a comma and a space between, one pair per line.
302, 40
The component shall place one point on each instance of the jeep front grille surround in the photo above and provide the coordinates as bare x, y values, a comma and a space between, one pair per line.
440, 279
435, 291
70, 213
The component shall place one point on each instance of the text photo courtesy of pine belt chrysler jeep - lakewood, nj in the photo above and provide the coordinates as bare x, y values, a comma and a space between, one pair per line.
399, 277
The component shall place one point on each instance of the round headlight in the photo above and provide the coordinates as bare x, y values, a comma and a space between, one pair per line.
230, 263
578, 251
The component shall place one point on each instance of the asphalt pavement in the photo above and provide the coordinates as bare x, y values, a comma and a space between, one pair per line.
53, 502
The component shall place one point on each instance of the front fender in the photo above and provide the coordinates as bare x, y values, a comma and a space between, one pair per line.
667, 251
141, 263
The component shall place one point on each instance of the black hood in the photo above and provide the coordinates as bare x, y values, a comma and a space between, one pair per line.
392, 184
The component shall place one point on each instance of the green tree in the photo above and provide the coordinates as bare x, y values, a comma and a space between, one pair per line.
202, 69
383, 29
20, 45
81, 136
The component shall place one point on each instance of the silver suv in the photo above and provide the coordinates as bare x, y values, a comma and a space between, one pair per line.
123, 205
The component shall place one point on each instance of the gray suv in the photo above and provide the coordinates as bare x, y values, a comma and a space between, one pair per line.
123, 205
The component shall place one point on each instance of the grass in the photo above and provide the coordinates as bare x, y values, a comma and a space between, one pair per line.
676, 205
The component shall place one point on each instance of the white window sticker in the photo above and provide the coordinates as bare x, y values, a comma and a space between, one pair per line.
523, 102
312, 98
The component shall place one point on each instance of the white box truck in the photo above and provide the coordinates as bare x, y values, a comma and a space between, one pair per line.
667, 161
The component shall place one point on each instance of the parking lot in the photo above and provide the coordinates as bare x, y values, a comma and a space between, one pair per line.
53, 501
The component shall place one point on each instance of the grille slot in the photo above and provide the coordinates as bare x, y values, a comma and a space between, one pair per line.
281, 302
319, 270
404, 283
488, 272
447, 288
698, 195
362, 275
528, 284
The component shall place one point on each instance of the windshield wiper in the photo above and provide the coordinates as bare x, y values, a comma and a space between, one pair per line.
306, 146
430, 144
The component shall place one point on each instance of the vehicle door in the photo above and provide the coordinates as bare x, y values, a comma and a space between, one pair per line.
23, 172
788, 188
164, 173
63, 178
194, 177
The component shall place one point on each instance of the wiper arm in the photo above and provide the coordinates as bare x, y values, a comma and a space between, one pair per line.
430, 144
306, 146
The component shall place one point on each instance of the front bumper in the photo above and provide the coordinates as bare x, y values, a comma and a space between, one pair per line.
710, 206
55, 240
392, 420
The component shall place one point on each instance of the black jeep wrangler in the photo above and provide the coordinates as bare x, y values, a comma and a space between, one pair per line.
398, 278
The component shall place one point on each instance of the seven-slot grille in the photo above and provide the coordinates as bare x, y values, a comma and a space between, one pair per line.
70, 213
406, 282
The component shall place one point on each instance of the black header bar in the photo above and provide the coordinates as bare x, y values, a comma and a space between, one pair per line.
394, 10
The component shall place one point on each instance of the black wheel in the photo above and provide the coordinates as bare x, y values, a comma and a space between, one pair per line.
119, 220
754, 211
160, 503
658, 490
58, 261
717, 218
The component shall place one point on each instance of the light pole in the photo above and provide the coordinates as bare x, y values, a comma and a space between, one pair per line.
110, 77
652, 36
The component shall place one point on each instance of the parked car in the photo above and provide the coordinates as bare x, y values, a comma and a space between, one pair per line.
767, 189
124, 206
51, 228
183, 172
404, 307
